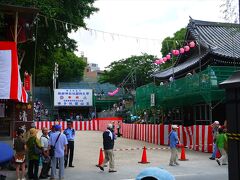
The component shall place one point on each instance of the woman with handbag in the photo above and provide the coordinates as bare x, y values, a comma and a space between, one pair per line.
34, 151
20, 148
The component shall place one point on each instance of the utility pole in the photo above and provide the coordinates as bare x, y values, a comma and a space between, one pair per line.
55, 75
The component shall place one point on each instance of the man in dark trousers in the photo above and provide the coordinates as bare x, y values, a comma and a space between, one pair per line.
108, 144
70, 134
118, 129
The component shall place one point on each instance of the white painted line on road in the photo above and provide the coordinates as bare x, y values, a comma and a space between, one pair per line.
151, 148
180, 175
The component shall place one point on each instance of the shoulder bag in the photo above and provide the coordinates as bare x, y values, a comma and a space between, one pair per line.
52, 150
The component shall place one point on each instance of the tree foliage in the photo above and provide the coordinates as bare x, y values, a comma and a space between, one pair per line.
52, 35
170, 43
117, 71
71, 67
229, 9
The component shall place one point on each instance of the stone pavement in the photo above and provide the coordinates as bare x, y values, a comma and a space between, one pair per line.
87, 147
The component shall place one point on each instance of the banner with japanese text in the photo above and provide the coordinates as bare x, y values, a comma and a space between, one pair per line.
73, 97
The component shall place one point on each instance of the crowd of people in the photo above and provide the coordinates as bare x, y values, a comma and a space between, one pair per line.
54, 149
220, 144
119, 106
39, 110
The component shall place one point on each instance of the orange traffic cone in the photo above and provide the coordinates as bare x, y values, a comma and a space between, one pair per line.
101, 158
218, 154
183, 155
144, 156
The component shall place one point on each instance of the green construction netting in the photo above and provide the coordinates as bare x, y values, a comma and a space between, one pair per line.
197, 88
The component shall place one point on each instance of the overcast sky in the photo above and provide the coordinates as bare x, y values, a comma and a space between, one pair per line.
152, 19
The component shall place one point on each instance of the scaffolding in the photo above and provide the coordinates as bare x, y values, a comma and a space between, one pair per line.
196, 88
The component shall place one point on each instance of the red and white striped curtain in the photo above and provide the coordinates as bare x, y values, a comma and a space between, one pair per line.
197, 137
10, 81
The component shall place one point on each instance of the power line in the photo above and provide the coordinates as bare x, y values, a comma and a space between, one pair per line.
64, 23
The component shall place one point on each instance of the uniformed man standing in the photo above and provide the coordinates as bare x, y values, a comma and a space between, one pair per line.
70, 134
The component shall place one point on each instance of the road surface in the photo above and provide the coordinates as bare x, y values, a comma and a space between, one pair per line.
87, 147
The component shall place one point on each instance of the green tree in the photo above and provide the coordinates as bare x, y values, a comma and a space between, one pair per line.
170, 43
230, 11
117, 71
70, 66
52, 35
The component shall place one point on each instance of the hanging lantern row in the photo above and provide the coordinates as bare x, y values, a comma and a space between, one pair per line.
175, 53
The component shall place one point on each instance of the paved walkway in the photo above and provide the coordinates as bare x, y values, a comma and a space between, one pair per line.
87, 147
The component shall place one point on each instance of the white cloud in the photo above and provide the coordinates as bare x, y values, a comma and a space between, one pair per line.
155, 19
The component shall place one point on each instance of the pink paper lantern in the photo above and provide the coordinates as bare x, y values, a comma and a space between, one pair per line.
186, 48
168, 56
156, 61
192, 44
164, 59
161, 60
110, 94
176, 52
181, 50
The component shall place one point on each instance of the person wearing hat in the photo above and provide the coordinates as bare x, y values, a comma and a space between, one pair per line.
58, 142
34, 150
174, 140
26, 134
215, 127
70, 134
108, 145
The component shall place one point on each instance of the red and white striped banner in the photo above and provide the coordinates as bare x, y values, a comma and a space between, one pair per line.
77, 125
197, 137
103, 122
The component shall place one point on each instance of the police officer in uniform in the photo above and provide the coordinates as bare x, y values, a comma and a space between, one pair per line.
70, 134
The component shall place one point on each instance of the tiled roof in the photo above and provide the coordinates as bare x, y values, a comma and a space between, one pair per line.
219, 39
190, 64
222, 38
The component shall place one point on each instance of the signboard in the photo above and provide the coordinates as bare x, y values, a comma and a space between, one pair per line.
73, 97
152, 99
27, 82
2, 110
23, 115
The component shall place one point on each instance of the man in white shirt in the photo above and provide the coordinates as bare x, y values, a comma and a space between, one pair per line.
60, 142
45, 155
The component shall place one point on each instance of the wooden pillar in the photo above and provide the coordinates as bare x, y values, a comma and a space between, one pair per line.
16, 27
232, 86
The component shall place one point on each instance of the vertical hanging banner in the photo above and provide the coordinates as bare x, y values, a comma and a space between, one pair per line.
152, 99
27, 82
10, 82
